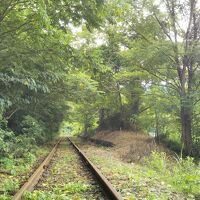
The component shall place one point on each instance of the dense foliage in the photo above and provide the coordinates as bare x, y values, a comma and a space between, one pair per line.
146, 66
35, 62
126, 65
92, 64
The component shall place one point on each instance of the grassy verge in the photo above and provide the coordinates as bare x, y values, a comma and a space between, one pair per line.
14, 171
157, 178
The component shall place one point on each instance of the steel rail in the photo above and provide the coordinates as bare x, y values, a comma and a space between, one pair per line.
34, 178
110, 190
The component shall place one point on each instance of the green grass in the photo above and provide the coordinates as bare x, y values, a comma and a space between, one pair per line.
71, 188
67, 191
158, 178
18, 170
66, 179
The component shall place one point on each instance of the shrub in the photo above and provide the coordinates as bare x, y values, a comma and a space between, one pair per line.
10, 185
183, 175
6, 140
24, 145
157, 161
33, 128
20, 146
186, 176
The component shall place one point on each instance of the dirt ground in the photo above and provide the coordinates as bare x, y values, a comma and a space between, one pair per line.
131, 146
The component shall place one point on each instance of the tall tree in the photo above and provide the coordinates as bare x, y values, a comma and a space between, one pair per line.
36, 56
180, 25
162, 38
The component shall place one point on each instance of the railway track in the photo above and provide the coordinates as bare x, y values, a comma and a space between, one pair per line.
67, 172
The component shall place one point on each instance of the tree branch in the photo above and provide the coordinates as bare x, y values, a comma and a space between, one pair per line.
16, 28
12, 113
174, 86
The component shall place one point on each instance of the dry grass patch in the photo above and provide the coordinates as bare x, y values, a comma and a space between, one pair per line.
131, 146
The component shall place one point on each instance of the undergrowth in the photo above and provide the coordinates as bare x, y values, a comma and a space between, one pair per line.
18, 153
183, 175
158, 178
16, 170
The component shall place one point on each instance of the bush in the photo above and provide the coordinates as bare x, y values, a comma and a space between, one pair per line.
19, 146
24, 145
183, 175
186, 176
6, 140
157, 162
32, 128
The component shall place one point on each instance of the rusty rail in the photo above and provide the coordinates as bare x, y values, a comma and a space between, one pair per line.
110, 190
34, 178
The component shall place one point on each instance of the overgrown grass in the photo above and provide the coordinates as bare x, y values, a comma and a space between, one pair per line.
62, 192
158, 178
183, 175
16, 170
66, 179
19, 152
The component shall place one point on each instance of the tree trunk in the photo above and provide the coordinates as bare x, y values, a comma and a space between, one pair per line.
186, 125
186, 101
157, 135
121, 107
85, 130
102, 118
